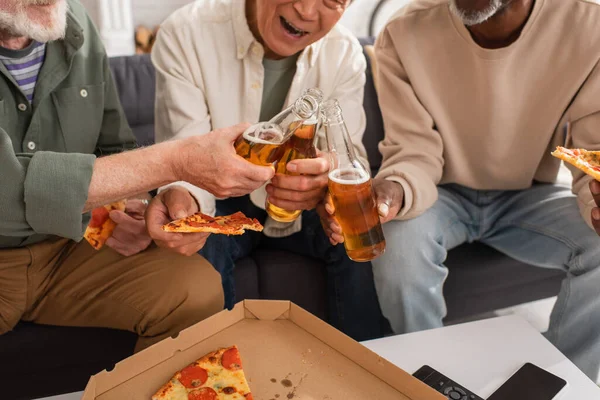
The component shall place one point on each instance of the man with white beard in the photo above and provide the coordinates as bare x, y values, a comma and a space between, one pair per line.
59, 109
475, 94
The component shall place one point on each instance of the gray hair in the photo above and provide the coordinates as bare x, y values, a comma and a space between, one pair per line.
471, 18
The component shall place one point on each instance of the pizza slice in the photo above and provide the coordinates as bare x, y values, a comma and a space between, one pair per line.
587, 161
216, 376
234, 224
101, 226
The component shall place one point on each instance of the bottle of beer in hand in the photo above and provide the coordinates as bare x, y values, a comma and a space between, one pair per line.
262, 143
302, 125
351, 190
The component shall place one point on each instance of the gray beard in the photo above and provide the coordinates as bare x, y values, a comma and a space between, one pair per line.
19, 24
477, 17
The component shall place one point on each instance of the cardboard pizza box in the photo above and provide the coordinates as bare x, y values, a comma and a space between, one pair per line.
287, 354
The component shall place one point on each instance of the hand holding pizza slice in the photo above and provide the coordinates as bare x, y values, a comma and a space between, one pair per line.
101, 226
588, 162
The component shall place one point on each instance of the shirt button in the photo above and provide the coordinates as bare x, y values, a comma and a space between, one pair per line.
31, 146
83, 93
256, 50
256, 85
22, 107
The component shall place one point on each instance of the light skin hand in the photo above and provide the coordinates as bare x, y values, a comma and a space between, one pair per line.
304, 191
174, 203
390, 198
211, 163
130, 236
595, 189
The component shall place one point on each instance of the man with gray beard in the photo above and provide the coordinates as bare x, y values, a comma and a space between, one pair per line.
475, 94
59, 112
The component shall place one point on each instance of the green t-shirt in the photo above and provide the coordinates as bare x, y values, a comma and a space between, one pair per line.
278, 79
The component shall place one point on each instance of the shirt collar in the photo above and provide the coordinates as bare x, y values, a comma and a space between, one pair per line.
245, 39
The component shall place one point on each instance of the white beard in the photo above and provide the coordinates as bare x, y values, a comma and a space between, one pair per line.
478, 17
18, 23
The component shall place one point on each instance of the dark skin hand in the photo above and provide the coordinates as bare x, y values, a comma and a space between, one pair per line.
595, 189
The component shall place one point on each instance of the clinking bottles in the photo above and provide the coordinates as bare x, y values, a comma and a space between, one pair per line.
351, 190
303, 123
262, 143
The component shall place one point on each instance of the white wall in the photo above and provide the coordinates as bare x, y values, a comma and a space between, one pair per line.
359, 13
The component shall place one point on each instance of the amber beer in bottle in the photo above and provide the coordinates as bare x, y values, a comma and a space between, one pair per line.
300, 145
351, 190
260, 144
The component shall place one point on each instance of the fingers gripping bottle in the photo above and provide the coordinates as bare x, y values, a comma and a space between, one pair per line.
351, 190
302, 123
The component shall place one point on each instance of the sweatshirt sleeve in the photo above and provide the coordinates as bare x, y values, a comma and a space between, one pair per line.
584, 125
412, 148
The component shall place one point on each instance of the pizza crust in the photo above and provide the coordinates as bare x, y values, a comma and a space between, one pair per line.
581, 159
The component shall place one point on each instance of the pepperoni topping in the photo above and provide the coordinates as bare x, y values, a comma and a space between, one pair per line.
99, 217
249, 396
231, 360
193, 377
202, 394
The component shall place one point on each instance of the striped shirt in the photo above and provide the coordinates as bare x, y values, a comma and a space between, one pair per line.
25, 65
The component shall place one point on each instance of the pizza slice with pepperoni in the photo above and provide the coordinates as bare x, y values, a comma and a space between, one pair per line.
216, 376
101, 226
234, 224
587, 161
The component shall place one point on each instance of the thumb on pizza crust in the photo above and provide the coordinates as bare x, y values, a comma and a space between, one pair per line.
180, 202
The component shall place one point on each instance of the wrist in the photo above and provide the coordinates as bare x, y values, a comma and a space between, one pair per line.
175, 159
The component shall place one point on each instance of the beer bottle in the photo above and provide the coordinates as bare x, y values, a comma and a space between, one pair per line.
262, 143
303, 124
351, 190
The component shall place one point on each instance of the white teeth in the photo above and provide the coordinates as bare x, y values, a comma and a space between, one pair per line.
296, 31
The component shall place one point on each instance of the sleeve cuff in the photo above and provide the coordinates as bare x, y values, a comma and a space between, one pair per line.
56, 190
205, 199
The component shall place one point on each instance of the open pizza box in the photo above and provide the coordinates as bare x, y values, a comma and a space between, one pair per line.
287, 353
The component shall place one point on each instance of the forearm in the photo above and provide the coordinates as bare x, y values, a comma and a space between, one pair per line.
127, 174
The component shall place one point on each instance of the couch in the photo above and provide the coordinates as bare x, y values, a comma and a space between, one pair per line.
44, 360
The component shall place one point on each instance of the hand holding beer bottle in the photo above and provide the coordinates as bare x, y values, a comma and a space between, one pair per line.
303, 123
262, 143
351, 191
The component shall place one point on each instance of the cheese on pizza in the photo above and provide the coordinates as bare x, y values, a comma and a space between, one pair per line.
101, 226
216, 376
234, 224
587, 161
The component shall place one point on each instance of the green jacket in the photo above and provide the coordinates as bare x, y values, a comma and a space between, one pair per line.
48, 149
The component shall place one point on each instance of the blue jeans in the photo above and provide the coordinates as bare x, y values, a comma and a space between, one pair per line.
541, 226
352, 305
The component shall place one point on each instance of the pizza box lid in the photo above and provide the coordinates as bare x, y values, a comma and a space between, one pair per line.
287, 353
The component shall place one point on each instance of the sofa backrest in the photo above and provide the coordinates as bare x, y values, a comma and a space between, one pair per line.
135, 80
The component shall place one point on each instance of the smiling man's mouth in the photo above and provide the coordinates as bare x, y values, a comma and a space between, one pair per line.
292, 29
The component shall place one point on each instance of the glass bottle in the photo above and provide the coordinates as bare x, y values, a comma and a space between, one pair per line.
300, 145
351, 190
261, 144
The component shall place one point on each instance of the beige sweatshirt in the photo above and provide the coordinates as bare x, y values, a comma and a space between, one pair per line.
487, 119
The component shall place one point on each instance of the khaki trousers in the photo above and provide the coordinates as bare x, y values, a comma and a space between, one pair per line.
155, 294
